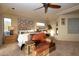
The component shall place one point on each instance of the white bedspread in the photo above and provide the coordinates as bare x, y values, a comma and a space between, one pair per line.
22, 38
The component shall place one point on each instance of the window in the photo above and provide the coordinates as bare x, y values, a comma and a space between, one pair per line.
73, 25
7, 25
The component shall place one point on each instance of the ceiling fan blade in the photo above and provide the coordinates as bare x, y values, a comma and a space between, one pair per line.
45, 5
53, 6
38, 8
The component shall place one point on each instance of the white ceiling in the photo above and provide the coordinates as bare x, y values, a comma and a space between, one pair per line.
27, 10
24, 8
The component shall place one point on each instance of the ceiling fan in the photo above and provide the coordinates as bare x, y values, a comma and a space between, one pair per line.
50, 5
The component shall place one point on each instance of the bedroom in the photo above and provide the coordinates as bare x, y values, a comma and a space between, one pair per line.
25, 19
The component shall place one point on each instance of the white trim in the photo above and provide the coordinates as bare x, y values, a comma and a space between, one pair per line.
69, 10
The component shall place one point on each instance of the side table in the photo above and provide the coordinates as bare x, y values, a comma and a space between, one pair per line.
29, 47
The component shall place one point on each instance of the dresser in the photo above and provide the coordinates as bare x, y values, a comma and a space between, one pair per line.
10, 39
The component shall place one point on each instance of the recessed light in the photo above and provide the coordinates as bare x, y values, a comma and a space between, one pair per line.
13, 8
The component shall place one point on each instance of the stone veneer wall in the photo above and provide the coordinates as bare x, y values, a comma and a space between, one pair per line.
25, 24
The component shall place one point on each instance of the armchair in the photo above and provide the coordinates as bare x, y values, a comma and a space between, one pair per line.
42, 44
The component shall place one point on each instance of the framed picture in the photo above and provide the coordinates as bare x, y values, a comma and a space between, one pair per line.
62, 21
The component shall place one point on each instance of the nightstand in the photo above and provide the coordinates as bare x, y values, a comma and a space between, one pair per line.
10, 39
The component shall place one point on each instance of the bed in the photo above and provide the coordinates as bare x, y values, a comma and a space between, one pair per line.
24, 35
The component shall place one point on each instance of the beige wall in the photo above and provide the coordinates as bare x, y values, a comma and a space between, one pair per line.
1, 29
62, 29
31, 16
1, 26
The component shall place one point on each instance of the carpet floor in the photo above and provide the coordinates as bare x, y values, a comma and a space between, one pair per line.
66, 48
63, 48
